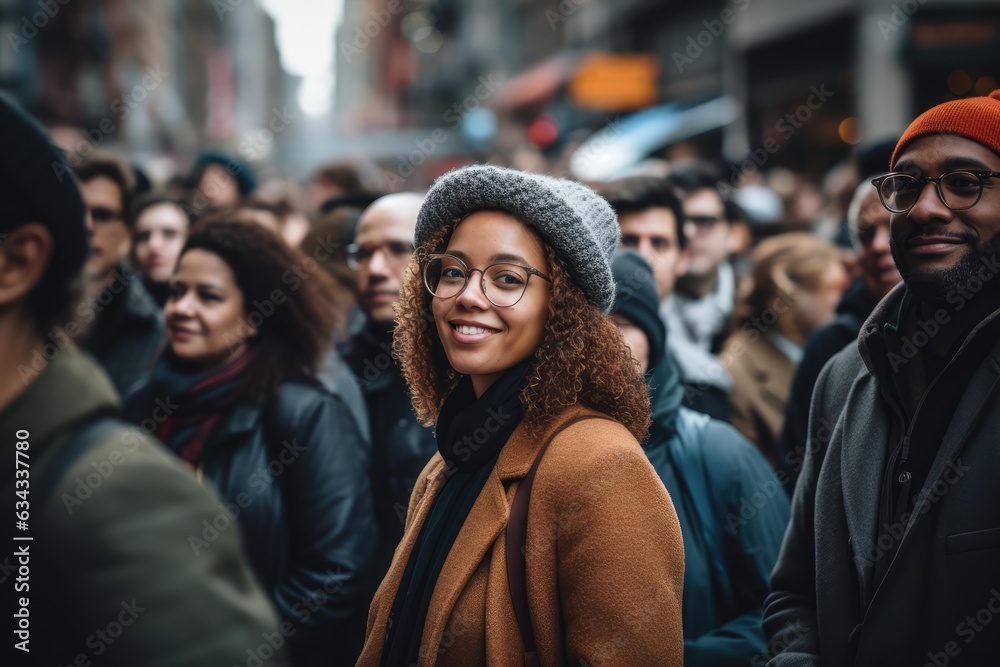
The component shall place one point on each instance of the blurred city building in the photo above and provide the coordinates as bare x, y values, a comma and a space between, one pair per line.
809, 80
425, 85
150, 77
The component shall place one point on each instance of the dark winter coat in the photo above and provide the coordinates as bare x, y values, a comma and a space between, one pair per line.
733, 514
849, 590
295, 474
401, 446
852, 311
127, 331
110, 541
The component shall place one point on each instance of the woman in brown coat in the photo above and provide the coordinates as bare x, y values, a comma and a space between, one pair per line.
504, 344
793, 288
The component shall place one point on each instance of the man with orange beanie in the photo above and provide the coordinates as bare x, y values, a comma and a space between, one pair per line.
892, 556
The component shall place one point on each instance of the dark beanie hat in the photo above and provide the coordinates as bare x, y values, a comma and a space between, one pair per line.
37, 185
638, 300
576, 221
237, 168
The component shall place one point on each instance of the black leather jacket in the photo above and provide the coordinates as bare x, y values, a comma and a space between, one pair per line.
296, 475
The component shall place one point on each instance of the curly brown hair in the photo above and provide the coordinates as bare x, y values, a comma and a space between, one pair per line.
582, 359
285, 295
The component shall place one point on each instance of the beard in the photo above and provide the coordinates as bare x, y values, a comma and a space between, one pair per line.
961, 283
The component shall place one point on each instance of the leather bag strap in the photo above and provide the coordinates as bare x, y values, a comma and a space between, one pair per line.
516, 536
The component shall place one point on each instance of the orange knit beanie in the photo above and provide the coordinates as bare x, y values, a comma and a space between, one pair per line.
976, 118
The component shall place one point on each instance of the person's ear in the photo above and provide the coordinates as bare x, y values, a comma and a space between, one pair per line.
24, 256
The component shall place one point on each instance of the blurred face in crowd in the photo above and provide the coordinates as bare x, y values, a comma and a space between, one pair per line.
206, 324
878, 270
653, 233
321, 191
384, 244
110, 236
817, 305
707, 232
160, 231
480, 339
635, 338
218, 187
939, 251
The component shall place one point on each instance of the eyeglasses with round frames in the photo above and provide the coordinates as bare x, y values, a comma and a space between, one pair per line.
396, 253
959, 190
503, 283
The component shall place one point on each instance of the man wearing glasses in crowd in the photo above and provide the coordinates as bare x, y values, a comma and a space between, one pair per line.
401, 447
891, 555
126, 325
699, 311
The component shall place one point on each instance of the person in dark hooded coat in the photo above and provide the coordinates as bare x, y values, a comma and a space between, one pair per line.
731, 507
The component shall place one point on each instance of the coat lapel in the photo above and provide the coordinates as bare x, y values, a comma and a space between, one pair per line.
865, 437
485, 524
386, 594
984, 382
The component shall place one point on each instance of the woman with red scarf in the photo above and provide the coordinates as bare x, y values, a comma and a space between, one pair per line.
248, 320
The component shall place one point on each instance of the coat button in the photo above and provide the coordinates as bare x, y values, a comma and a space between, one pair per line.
905, 477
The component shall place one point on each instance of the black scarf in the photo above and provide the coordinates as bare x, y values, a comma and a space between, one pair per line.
470, 434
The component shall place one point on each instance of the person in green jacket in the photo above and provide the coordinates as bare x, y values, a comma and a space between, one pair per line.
99, 569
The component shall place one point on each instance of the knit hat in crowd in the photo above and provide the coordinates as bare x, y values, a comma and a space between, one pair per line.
638, 300
571, 217
37, 185
975, 118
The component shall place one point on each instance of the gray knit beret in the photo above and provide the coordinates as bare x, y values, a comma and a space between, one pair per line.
574, 219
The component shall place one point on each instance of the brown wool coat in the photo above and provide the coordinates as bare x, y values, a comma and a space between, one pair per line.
762, 379
605, 560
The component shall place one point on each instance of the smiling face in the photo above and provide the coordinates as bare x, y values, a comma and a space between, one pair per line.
480, 339
939, 251
206, 324
160, 231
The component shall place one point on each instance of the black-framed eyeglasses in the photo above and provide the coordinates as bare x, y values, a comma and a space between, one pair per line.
958, 190
397, 253
503, 283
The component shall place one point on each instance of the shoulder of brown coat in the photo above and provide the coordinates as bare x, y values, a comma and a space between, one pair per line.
592, 444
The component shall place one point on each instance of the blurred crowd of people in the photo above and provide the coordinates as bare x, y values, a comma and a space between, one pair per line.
287, 347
